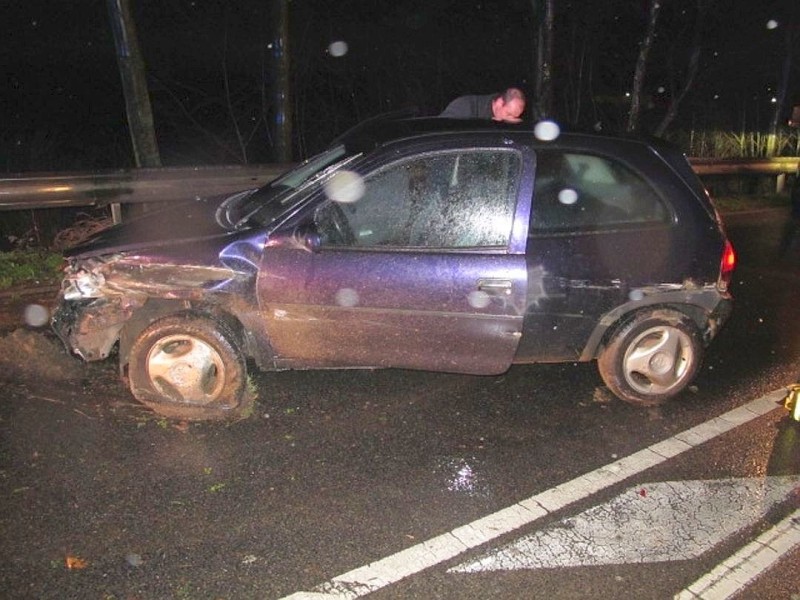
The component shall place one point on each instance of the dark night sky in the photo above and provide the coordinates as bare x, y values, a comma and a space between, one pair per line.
62, 104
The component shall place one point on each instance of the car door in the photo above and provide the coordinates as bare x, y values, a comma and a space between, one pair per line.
599, 231
417, 262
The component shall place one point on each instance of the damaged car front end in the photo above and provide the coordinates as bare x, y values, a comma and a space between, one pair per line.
101, 294
171, 306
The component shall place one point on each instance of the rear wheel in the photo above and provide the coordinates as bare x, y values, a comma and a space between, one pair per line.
188, 367
651, 358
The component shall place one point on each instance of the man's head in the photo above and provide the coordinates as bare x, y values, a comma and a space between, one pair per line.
509, 106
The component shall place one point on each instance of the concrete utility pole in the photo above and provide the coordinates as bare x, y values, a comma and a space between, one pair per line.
134, 85
282, 81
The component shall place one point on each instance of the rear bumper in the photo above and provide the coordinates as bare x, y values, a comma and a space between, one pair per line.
708, 307
717, 318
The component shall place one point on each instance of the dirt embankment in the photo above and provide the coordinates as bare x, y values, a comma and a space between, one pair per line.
28, 348
36, 354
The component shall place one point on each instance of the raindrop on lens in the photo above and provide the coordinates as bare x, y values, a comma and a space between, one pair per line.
36, 315
568, 196
478, 299
347, 297
636, 295
345, 186
546, 131
337, 49
134, 560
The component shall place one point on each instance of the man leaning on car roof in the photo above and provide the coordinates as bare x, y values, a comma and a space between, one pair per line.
506, 106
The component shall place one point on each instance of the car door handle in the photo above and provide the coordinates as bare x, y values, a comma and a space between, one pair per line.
495, 286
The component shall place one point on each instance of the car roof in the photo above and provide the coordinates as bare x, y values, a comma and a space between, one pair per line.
397, 127
382, 130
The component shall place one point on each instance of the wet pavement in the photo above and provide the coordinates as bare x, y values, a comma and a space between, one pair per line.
336, 470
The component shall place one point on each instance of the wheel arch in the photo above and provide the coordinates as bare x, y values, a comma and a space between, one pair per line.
616, 319
158, 308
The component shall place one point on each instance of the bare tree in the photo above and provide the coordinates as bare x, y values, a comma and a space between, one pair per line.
281, 68
543, 90
679, 91
790, 49
641, 66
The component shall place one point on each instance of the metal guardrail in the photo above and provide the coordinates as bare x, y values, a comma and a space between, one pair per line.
783, 165
101, 188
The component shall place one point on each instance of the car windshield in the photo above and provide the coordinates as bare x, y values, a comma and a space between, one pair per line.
267, 203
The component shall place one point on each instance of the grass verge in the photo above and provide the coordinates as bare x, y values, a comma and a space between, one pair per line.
29, 267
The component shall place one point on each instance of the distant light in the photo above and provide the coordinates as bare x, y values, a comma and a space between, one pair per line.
627, 94
772, 24
337, 49
546, 131
773, 100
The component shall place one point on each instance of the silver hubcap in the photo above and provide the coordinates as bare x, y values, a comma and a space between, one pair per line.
186, 369
658, 359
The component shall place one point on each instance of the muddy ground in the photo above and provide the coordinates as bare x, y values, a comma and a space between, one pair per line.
32, 357
31, 350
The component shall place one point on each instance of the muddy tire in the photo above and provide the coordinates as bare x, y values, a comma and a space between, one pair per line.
652, 357
189, 367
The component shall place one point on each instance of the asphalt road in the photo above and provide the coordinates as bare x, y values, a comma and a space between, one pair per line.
339, 470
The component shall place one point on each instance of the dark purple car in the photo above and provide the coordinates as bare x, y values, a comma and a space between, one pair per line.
429, 244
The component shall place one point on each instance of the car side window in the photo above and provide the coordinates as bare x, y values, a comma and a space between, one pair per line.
452, 199
588, 192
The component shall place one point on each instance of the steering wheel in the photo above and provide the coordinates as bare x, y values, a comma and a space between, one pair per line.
337, 226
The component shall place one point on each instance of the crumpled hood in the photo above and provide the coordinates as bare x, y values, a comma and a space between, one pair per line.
189, 221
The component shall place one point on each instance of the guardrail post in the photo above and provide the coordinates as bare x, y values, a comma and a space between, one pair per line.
116, 212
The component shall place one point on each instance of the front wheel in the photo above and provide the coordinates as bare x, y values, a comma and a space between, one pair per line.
188, 367
652, 357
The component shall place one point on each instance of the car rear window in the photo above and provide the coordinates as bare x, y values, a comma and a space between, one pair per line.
578, 191
678, 161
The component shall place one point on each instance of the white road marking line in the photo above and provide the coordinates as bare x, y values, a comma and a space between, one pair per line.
654, 522
391, 569
728, 578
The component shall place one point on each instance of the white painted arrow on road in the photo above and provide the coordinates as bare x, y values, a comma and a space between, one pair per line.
655, 522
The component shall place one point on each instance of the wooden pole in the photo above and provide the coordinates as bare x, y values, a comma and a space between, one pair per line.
134, 85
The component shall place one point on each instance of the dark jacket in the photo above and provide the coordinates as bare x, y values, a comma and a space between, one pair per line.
470, 107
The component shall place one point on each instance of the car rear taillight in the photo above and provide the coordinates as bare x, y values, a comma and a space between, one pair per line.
727, 265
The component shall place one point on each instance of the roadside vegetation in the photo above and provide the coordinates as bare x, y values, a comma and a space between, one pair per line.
29, 267
31, 261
